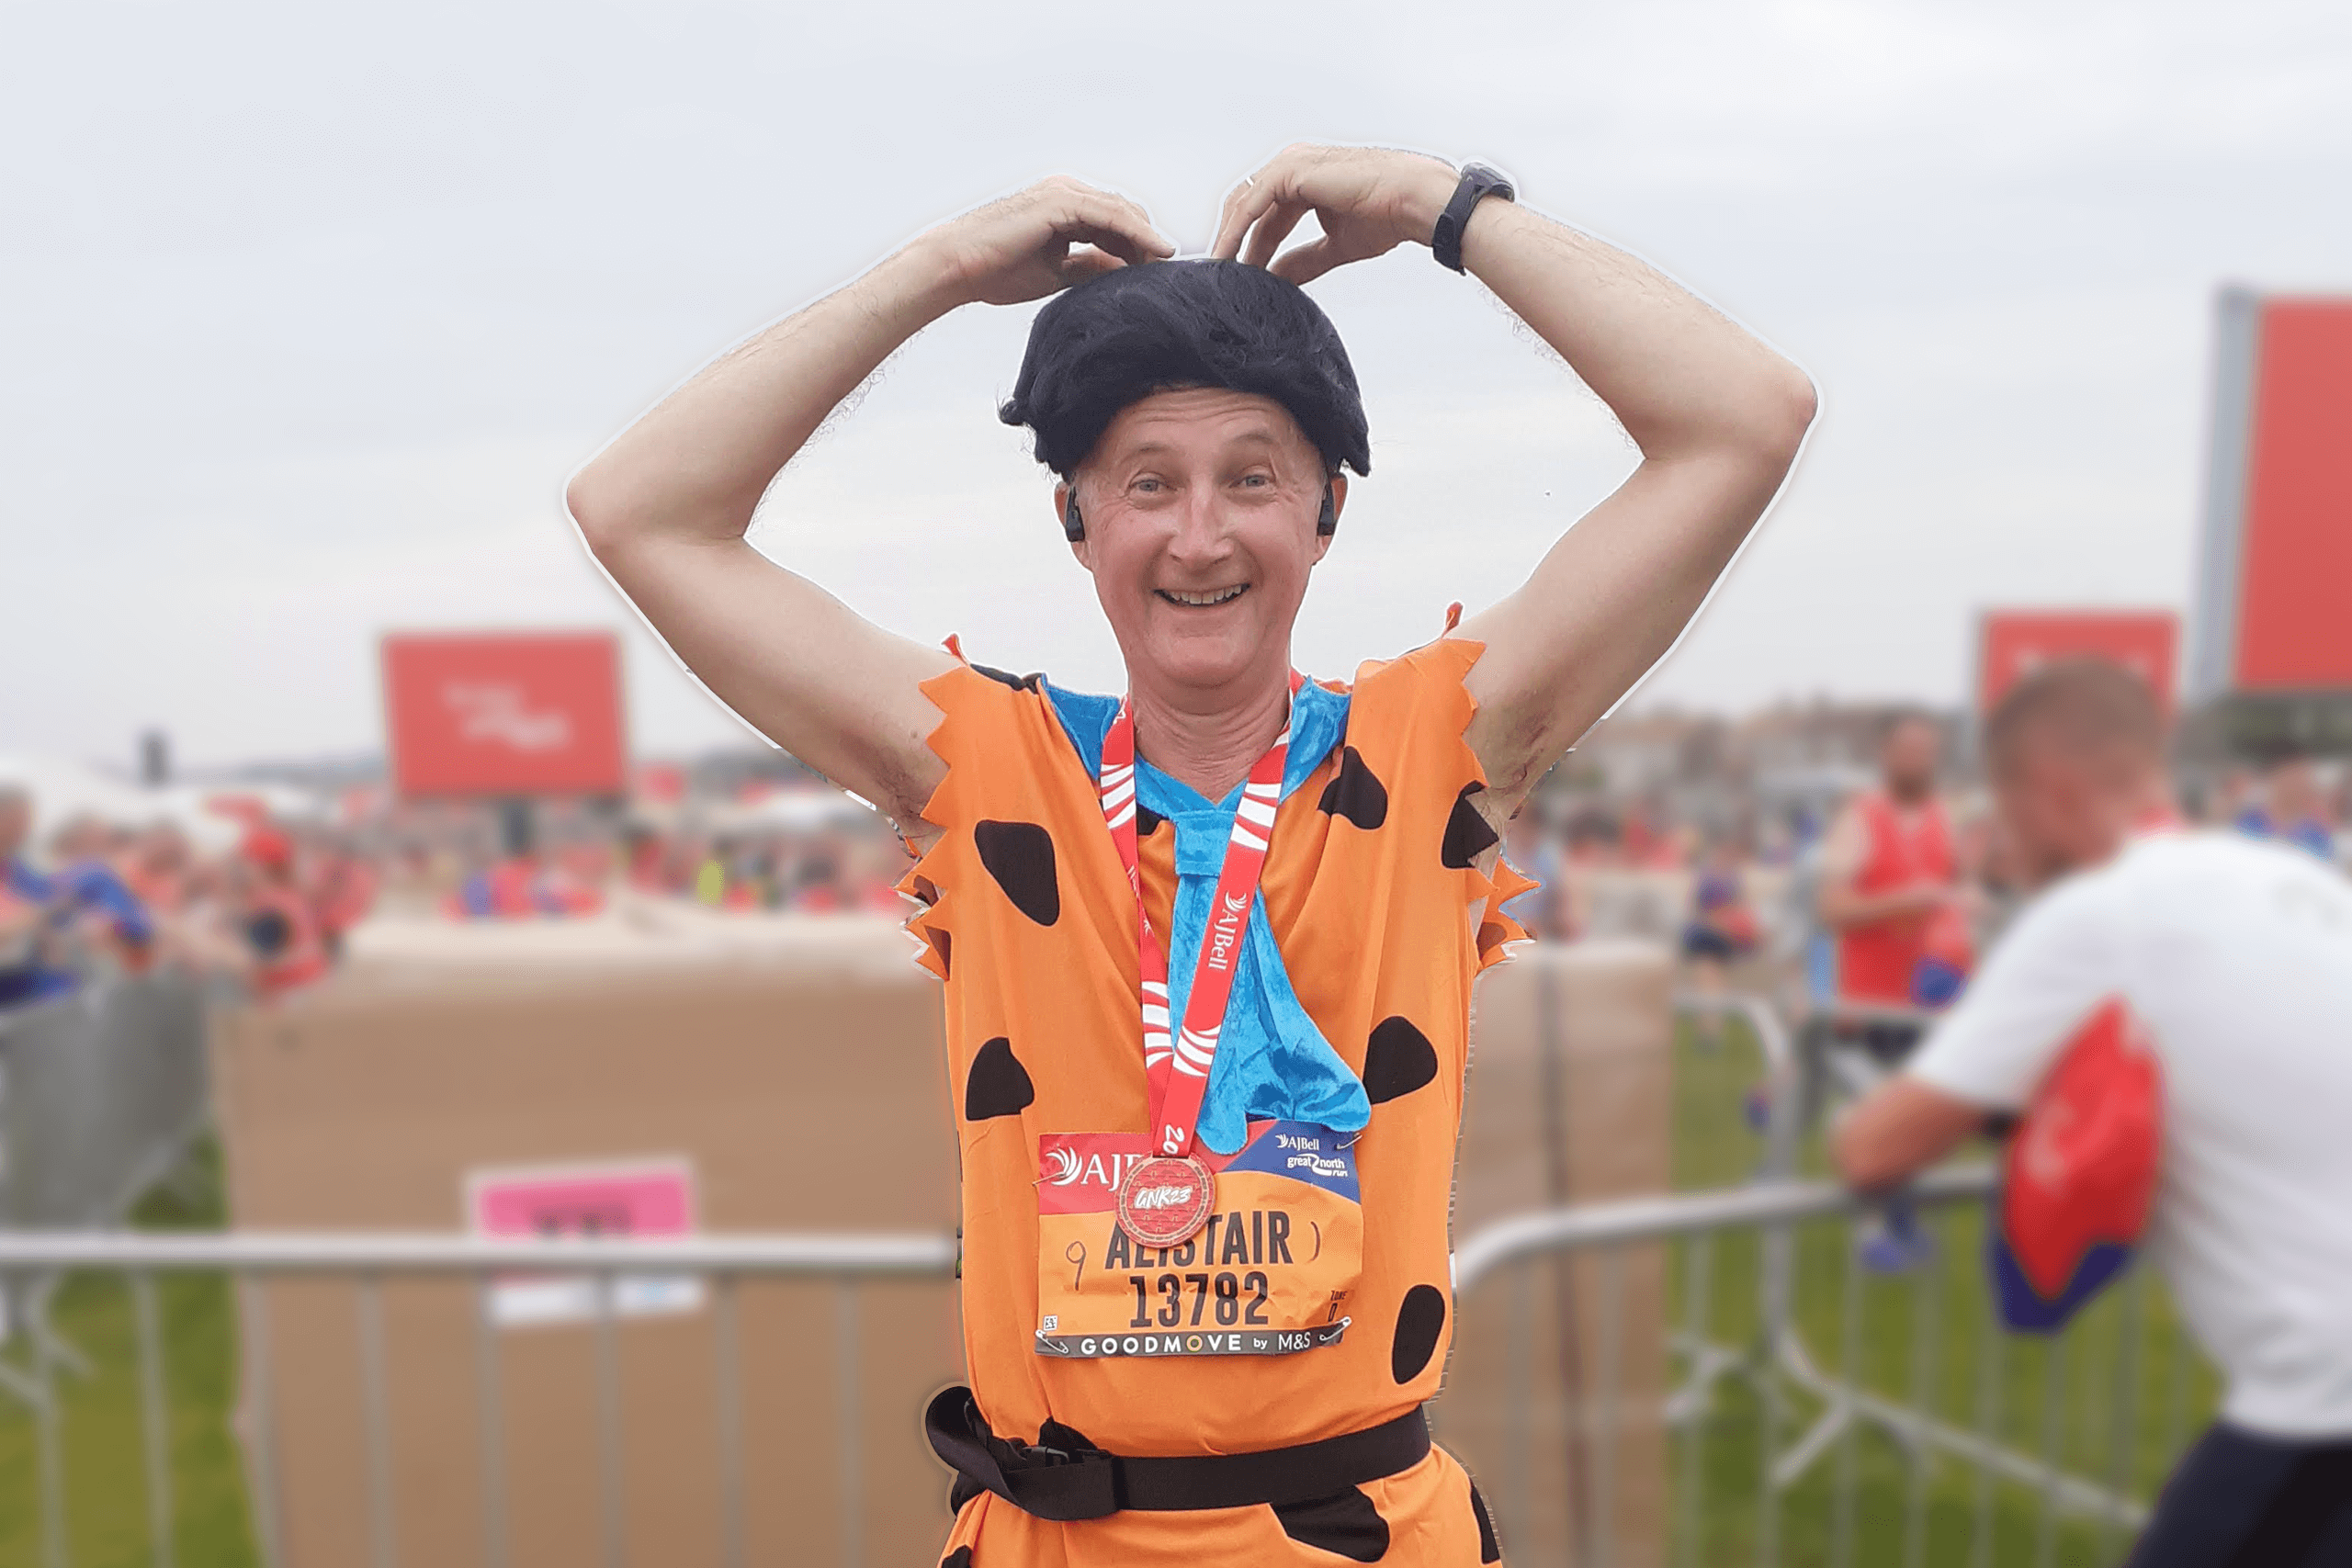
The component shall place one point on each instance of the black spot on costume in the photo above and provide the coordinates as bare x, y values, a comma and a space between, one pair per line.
997, 1085
1490, 1547
1020, 856
1467, 834
1347, 1525
1035, 682
1355, 794
1419, 1323
1399, 1060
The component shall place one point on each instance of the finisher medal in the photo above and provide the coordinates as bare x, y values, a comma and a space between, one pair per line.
1166, 1199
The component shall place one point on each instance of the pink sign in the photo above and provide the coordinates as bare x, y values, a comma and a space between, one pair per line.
618, 1198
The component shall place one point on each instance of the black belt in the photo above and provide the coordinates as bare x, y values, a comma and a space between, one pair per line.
1063, 1476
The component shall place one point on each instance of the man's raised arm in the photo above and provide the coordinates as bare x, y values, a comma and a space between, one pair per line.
1718, 417
666, 507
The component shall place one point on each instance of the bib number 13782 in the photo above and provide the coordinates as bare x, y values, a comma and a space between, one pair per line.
1268, 1272
1160, 1300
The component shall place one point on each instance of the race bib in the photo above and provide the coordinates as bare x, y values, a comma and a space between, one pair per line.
1268, 1272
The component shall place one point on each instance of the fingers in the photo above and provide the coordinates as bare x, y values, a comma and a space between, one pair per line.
1112, 221
1271, 231
1248, 202
1308, 262
1120, 242
1081, 265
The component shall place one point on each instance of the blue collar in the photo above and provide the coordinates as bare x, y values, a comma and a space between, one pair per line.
1272, 1061
1318, 722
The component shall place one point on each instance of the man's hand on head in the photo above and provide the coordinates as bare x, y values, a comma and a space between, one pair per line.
1368, 201
1057, 233
666, 507
1717, 415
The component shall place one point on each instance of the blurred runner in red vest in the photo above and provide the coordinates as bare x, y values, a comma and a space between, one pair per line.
1889, 889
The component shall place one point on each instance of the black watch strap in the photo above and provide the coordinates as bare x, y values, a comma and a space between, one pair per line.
1479, 182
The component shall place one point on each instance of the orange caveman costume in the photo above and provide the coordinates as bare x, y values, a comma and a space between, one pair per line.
1205, 1249
1380, 886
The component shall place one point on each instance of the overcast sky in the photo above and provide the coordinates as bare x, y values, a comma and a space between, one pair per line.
306, 312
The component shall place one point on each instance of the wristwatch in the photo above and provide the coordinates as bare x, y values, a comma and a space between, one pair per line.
1479, 182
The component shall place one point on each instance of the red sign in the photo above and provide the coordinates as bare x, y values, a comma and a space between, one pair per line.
2293, 630
2014, 642
2277, 545
504, 714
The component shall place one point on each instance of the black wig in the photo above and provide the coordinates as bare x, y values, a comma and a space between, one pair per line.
1135, 331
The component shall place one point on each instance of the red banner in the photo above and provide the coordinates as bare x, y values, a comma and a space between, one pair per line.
2014, 642
504, 714
2294, 632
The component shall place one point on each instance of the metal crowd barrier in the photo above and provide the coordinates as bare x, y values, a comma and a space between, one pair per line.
368, 1261
101, 1093
1776, 1366
2111, 1396
1778, 1370
1770, 1382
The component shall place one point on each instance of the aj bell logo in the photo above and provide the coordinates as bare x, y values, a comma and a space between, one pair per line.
488, 710
1227, 929
1068, 1168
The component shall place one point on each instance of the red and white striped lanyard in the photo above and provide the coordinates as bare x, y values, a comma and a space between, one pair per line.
1178, 1069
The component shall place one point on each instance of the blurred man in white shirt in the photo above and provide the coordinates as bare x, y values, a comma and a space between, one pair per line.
2237, 957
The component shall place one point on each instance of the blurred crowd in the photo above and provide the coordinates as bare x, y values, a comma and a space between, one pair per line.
97, 898
1875, 889
265, 899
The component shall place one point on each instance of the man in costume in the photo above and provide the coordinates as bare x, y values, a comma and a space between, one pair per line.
1207, 947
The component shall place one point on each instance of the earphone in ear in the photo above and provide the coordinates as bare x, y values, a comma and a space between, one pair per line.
1073, 526
1327, 522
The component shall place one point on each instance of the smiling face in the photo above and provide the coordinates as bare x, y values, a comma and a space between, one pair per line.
1200, 508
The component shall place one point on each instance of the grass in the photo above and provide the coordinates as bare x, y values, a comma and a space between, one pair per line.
1928, 1331
1925, 1341
100, 1436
